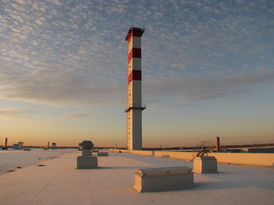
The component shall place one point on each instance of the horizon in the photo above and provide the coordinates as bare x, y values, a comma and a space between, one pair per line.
224, 146
208, 70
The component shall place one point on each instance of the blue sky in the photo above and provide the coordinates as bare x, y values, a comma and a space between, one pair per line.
208, 70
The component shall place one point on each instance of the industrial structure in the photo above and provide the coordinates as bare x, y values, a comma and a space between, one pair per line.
135, 107
6, 144
19, 145
218, 144
53, 145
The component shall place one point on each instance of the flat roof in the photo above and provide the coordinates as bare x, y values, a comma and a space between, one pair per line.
59, 182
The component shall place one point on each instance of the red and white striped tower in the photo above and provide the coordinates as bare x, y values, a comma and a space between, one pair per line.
135, 108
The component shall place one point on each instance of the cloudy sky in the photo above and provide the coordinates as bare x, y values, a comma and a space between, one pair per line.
208, 70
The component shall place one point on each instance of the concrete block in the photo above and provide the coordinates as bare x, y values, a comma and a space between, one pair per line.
87, 162
102, 154
163, 179
86, 153
205, 164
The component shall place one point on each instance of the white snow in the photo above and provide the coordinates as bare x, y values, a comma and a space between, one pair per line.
58, 182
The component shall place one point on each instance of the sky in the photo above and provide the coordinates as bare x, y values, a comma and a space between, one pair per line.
208, 70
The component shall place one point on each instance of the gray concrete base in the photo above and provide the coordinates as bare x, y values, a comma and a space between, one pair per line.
86, 153
102, 154
163, 179
205, 164
87, 162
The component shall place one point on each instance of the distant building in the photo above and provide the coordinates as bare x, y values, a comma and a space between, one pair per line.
53, 145
259, 150
19, 145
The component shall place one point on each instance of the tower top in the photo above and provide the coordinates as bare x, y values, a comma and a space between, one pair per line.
135, 32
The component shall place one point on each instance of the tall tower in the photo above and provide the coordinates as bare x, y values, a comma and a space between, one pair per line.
135, 108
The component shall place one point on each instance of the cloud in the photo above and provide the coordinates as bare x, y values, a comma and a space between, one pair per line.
15, 112
201, 88
74, 53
